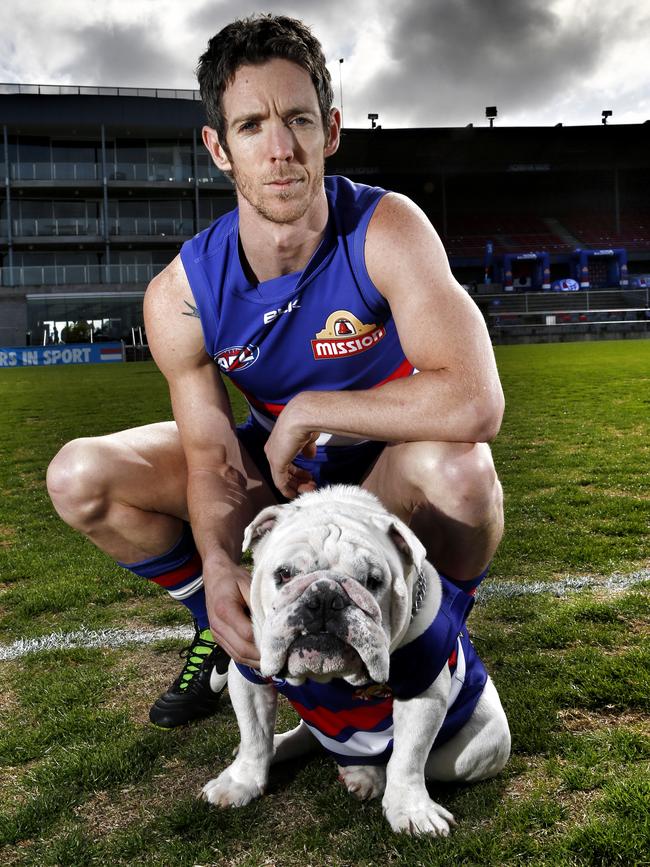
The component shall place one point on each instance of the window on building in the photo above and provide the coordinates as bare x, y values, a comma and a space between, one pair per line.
108, 316
170, 161
31, 159
130, 160
76, 160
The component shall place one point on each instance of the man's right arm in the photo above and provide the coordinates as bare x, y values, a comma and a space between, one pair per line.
217, 502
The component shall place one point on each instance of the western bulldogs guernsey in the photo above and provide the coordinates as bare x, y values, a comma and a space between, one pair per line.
355, 724
323, 328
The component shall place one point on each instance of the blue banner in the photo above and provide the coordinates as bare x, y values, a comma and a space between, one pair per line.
61, 353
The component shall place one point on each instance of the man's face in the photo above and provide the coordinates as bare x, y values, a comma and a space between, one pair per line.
275, 139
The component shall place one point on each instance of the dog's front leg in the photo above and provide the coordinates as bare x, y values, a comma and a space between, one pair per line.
246, 778
406, 802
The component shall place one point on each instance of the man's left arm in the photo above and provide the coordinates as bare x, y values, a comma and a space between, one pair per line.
455, 397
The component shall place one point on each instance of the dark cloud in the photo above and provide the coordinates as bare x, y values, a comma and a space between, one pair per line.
446, 59
122, 55
456, 58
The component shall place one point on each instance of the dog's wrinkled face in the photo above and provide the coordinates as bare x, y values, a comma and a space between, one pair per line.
332, 586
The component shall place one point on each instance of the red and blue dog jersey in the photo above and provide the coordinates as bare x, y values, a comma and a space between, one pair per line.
355, 723
323, 328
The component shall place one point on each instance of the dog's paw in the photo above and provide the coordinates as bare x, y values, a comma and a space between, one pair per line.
226, 791
417, 816
363, 781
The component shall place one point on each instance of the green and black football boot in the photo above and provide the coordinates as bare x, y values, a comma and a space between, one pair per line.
195, 692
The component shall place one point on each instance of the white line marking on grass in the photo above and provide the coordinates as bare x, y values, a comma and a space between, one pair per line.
123, 637
507, 589
88, 638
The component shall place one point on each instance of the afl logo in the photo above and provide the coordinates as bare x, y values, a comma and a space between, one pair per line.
237, 358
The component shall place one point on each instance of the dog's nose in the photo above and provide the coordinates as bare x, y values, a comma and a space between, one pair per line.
322, 605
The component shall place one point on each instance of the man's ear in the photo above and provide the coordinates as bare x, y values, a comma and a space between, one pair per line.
216, 149
333, 136
260, 526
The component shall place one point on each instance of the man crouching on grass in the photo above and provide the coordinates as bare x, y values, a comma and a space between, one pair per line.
332, 307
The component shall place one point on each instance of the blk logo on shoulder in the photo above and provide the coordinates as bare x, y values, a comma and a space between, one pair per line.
270, 315
237, 358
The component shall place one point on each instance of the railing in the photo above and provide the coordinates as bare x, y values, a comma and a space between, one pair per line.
26, 171
147, 226
46, 227
62, 275
57, 227
549, 315
93, 227
551, 302
133, 172
180, 172
77, 90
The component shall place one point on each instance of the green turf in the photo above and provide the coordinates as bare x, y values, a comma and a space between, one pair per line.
83, 778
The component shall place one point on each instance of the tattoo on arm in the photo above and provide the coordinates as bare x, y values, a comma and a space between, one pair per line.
193, 311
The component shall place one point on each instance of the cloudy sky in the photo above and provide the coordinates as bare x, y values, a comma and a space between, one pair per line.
414, 62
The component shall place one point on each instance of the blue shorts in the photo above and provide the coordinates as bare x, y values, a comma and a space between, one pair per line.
345, 465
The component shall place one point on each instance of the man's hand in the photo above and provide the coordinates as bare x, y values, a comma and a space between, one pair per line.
288, 439
227, 592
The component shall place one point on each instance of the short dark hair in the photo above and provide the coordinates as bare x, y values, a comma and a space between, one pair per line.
253, 41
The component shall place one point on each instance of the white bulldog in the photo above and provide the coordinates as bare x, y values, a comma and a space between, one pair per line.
368, 642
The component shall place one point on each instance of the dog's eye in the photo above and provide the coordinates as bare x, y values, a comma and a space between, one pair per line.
282, 574
373, 581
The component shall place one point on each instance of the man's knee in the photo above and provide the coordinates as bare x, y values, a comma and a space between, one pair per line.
463, 473
77, 482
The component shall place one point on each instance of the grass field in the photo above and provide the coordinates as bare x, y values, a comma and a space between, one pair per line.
85, 780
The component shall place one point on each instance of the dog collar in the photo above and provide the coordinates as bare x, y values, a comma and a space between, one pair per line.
419, 593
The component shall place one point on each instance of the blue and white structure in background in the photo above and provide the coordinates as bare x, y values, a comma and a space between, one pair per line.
63, 353
502, 267
615, 259
499, 267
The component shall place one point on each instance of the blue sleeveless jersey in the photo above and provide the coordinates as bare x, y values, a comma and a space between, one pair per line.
355, 724
323, 328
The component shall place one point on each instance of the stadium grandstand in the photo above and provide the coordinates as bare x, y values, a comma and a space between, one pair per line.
548, 228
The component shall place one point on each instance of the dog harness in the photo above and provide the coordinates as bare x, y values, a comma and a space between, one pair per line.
323, 328
355, 723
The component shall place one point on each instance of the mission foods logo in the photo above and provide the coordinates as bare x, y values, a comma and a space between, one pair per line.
345, 335
237, 358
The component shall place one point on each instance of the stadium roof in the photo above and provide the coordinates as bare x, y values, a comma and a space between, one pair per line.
79, 90
78, 112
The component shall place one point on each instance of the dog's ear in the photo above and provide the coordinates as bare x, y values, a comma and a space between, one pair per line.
260, 526
414, 555
407, 543
404, 539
